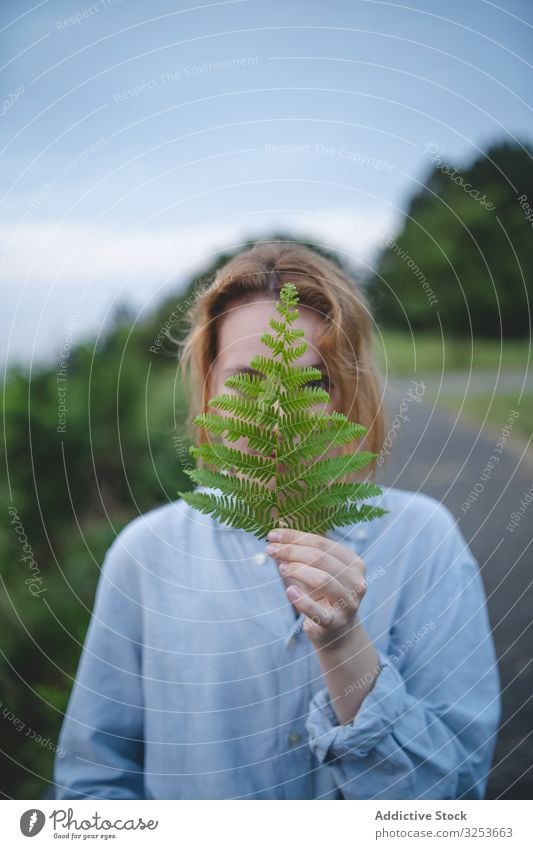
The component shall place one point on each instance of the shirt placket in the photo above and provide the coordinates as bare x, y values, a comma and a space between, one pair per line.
298, 679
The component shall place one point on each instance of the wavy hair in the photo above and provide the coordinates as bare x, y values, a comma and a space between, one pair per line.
344, 340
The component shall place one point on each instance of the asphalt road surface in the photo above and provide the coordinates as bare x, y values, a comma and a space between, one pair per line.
438, 454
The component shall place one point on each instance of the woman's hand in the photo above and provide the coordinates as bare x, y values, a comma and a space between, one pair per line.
330, 583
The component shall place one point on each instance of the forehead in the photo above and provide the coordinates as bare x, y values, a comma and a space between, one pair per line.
243, 324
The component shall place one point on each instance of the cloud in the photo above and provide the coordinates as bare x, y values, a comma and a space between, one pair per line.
50, 268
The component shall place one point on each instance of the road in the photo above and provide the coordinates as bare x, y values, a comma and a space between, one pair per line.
438, 454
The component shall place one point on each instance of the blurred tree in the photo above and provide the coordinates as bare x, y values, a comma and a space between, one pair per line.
464, 254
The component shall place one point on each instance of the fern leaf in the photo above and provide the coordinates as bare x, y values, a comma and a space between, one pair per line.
324, 471
350, 515
291, 354
276, 345
294, 401
301, 423
232, 459
328, 518
250, 385
249, 492
312, 500
315, 444
296, 376
266, 366
246, 409
222, 508
258, 438
273, 412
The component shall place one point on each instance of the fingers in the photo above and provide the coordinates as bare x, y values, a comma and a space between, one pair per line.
315, 557
318, 557
319, 583
314, 541
319, 614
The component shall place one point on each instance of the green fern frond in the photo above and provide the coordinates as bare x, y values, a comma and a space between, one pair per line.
249, 492
324, 471
277, 346
227, 511
315, 444
329, 518
250, 385
293, 377
258, 438
348, 516
248, 410
270, 368
302, 423
294, 401
310, 500
232, 459
283, 331
291, 354
273, 411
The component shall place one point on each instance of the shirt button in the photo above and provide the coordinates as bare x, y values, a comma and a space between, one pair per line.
259, 558
294, 738
360, 533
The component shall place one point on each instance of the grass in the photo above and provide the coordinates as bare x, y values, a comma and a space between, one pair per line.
399, 354
476, 407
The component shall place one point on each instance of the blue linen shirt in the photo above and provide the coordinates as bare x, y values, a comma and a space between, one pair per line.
197, 681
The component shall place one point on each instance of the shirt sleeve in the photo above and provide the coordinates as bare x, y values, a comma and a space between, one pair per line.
102, 732
427, 729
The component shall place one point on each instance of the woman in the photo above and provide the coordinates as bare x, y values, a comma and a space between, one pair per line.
356, 665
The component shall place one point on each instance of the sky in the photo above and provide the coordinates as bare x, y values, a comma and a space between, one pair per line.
139, 139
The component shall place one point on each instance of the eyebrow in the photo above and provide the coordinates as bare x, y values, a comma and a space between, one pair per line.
249, 370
